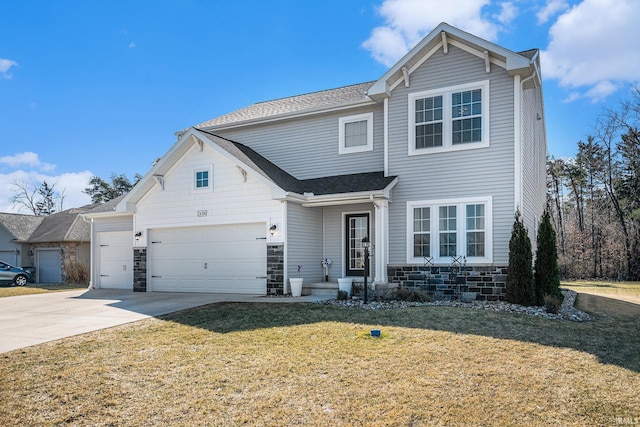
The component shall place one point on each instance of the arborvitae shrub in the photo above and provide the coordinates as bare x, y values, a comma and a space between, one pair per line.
547, 272
520, 285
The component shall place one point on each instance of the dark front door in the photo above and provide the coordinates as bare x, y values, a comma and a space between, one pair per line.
357, 228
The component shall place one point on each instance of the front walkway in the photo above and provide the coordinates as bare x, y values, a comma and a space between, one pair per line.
34, 319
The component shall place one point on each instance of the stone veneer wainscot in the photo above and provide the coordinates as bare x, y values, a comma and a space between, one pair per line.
489, 283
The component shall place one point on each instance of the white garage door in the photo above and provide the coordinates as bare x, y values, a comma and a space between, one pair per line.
224, 259
48, 266
115, 260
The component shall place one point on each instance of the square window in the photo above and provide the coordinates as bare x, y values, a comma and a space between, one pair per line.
202, 179
355, 133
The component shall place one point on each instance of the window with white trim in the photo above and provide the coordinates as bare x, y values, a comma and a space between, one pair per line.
203, 178
453, 118
355, 133
449, 228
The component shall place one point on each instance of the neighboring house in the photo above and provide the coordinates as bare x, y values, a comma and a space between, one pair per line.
430, 162
49, 243
15, 229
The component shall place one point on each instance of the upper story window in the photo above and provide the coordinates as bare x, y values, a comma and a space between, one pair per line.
441, 229
203, 178
453, 118
356, 133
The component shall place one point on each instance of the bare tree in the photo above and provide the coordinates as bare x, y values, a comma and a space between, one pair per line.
41, 199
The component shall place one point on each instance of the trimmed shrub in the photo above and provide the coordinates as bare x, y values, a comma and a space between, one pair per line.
520, 285
552, 303
413, 295
342, 295
547, 272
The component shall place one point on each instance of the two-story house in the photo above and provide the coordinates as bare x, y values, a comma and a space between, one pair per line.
430, 162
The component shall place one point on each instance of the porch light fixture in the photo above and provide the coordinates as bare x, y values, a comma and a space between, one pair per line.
365, 245
138, 235
272, 229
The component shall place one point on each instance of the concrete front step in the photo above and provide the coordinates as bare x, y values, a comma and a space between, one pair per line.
320, 289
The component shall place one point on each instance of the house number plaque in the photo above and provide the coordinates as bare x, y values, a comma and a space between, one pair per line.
202, 213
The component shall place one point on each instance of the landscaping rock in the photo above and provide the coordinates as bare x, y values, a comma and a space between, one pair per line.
567, 310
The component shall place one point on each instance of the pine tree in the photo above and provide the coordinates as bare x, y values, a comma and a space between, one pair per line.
520, 285
547, 273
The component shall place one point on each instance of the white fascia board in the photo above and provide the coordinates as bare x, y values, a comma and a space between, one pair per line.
128, 202
293, 115
349, 198
111, 214
515, 63
233, 159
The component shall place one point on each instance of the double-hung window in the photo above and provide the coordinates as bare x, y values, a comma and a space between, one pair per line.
441, 229
355, 133
447, 119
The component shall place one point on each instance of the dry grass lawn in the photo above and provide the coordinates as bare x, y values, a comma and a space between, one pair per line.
34, 288
307, 364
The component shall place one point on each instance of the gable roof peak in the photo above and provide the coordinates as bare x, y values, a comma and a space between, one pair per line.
440, 38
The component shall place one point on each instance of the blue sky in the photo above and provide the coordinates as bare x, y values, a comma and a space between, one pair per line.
99, 87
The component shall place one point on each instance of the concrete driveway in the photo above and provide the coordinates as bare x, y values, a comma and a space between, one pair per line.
33, 319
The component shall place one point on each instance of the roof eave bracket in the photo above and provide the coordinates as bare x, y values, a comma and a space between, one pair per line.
445, 46
405, 75
487, 62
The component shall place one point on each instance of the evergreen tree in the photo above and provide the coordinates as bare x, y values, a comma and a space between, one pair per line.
520, 285
547, 273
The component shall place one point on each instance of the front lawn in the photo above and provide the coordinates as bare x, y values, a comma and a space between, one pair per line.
310, 364
34, 288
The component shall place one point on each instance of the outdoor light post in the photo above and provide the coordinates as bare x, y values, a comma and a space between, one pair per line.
365, 244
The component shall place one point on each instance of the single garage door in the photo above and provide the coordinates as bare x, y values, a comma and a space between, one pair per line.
48, 266
115, 260
224, 259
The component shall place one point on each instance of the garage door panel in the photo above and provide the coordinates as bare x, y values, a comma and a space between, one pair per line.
225, 259
49, 266
116, 260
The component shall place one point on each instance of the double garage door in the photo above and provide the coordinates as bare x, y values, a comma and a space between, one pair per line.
222, 259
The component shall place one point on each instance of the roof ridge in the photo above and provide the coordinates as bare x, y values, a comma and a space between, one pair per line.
314, 92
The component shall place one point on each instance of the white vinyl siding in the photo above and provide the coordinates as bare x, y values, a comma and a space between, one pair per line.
238, 197
355, 133
456, 227
449, 118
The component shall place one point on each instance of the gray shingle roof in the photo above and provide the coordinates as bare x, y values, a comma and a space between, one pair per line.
336, 184
294, 104
19, 225
65, 226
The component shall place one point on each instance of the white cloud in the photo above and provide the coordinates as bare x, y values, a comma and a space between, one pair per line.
593, 48
27, 168
132, 45
27, 158
407, 21
508, 12
551, 9
68, 184
5, 65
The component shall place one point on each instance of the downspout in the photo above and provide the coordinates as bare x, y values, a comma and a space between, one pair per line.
91, 251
